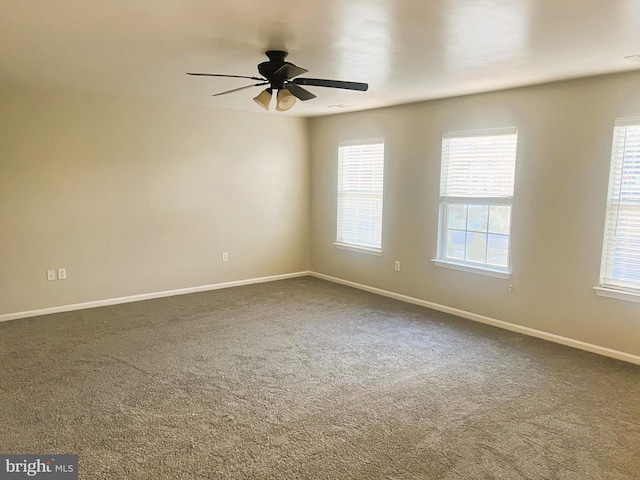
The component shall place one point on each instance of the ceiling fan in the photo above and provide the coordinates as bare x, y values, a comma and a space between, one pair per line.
280, 76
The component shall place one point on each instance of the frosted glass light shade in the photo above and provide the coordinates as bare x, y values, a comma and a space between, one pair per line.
285, 100
264, 98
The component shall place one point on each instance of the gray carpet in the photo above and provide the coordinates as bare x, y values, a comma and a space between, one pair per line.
307, 379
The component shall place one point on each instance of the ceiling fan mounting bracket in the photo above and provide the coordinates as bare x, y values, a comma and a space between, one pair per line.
276, 55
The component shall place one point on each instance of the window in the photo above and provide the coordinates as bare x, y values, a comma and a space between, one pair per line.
620, 269
476, 195
360, 185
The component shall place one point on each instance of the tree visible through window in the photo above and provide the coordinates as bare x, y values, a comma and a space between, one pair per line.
360, 188
476, 195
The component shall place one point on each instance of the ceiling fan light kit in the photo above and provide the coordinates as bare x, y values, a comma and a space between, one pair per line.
264, 98
285, 100
279, 75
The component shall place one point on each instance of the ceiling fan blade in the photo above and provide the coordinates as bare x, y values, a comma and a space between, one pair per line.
227, 76
299, 92
288, 70
238, 89
319, 82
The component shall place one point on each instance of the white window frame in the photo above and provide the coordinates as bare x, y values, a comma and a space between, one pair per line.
344, 238
611, 284
442, 260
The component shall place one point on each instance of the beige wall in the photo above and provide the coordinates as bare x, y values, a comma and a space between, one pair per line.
564, 142
135, 197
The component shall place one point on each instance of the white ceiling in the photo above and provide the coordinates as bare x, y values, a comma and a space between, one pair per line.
407, 50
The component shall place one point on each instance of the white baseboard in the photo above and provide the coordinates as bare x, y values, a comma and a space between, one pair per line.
147, 296
570, 342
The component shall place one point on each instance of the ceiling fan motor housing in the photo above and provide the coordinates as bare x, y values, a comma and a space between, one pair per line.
276, 62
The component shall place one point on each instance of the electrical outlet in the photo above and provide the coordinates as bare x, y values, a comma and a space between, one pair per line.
51, 275
397, 266
62, 274
225, 257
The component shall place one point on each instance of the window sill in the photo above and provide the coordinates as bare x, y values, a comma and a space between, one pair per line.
617, 294
357, 248
471, 269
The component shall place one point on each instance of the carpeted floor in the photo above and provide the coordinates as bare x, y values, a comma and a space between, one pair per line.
307, 379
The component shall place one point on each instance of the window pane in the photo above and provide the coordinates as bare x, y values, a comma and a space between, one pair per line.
476, 193
621, 251
498, 250
476, 247
478, 217
499, 218
457, 216
625, 255
456, 244
360, 186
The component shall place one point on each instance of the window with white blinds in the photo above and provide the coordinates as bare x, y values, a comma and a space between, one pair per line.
360, 188
476, 195
621, 247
